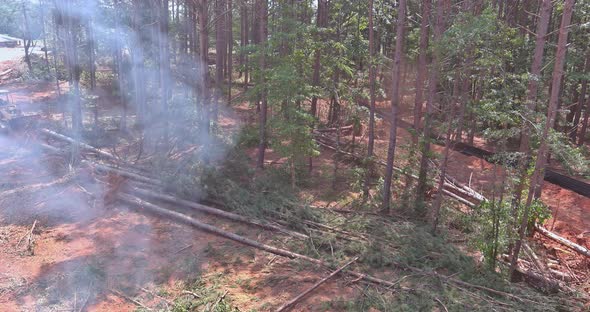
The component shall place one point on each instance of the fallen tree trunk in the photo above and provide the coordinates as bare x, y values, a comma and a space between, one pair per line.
105, 168
85, 146
458, 198
132, 200
564, 241
292, 302
124, 173
344, 128
451, 186
292, 255
580, 249
39, 186
216, 212
555, 274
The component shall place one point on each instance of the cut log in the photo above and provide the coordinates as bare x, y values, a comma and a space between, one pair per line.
450, 187
344, 128
458, 198
123, 173
39, 186
214, 211
292, 302
580, 249
106, 168
83, 145
134, 201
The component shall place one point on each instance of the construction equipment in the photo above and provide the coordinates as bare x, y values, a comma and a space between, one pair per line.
9, 113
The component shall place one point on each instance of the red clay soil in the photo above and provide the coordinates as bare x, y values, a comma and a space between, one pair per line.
86, 256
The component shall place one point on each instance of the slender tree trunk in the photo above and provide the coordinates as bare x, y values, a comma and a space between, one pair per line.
230, 48
371, 139
262, 16
531, 98
27, 40
581, 100
582, 135
55, 39
321, 19
219, 52
119, 55
422, 69
165, 66
541, 162
204, 64
443, 168
245, 43
44, 34
138, 68
432, 97
92, 68
395, 101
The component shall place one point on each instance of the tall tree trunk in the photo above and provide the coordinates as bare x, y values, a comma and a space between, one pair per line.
27, 40
432, 98
372, 68
321, 19
138, 67
531, 98
582, 135
230, 48
395, 101
422, 69
541, 162
44, 34
443, 168
119, 55
219, 52
262, 17
164, 66
92, 68
204, 64
581, 100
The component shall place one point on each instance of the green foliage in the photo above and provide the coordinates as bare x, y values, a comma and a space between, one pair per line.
491, 234
570, 156
209, 299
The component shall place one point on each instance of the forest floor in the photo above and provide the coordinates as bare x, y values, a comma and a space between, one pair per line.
82, 255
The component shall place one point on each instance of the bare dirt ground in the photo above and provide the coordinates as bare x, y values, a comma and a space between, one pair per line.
87, 255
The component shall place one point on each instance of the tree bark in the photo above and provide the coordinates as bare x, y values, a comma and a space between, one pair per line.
27, 40
432, 97
531, 97
230, 48
422, 69
371, 130
219, 52
203, 84
321, 21
581, 101
395, 101
243, 240
541, 162
263, 32
164, 60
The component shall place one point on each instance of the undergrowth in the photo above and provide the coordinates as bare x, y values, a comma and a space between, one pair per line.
394, 249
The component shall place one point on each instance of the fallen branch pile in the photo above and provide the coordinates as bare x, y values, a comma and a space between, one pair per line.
452, 188
455, 189
294, 301
137, 202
